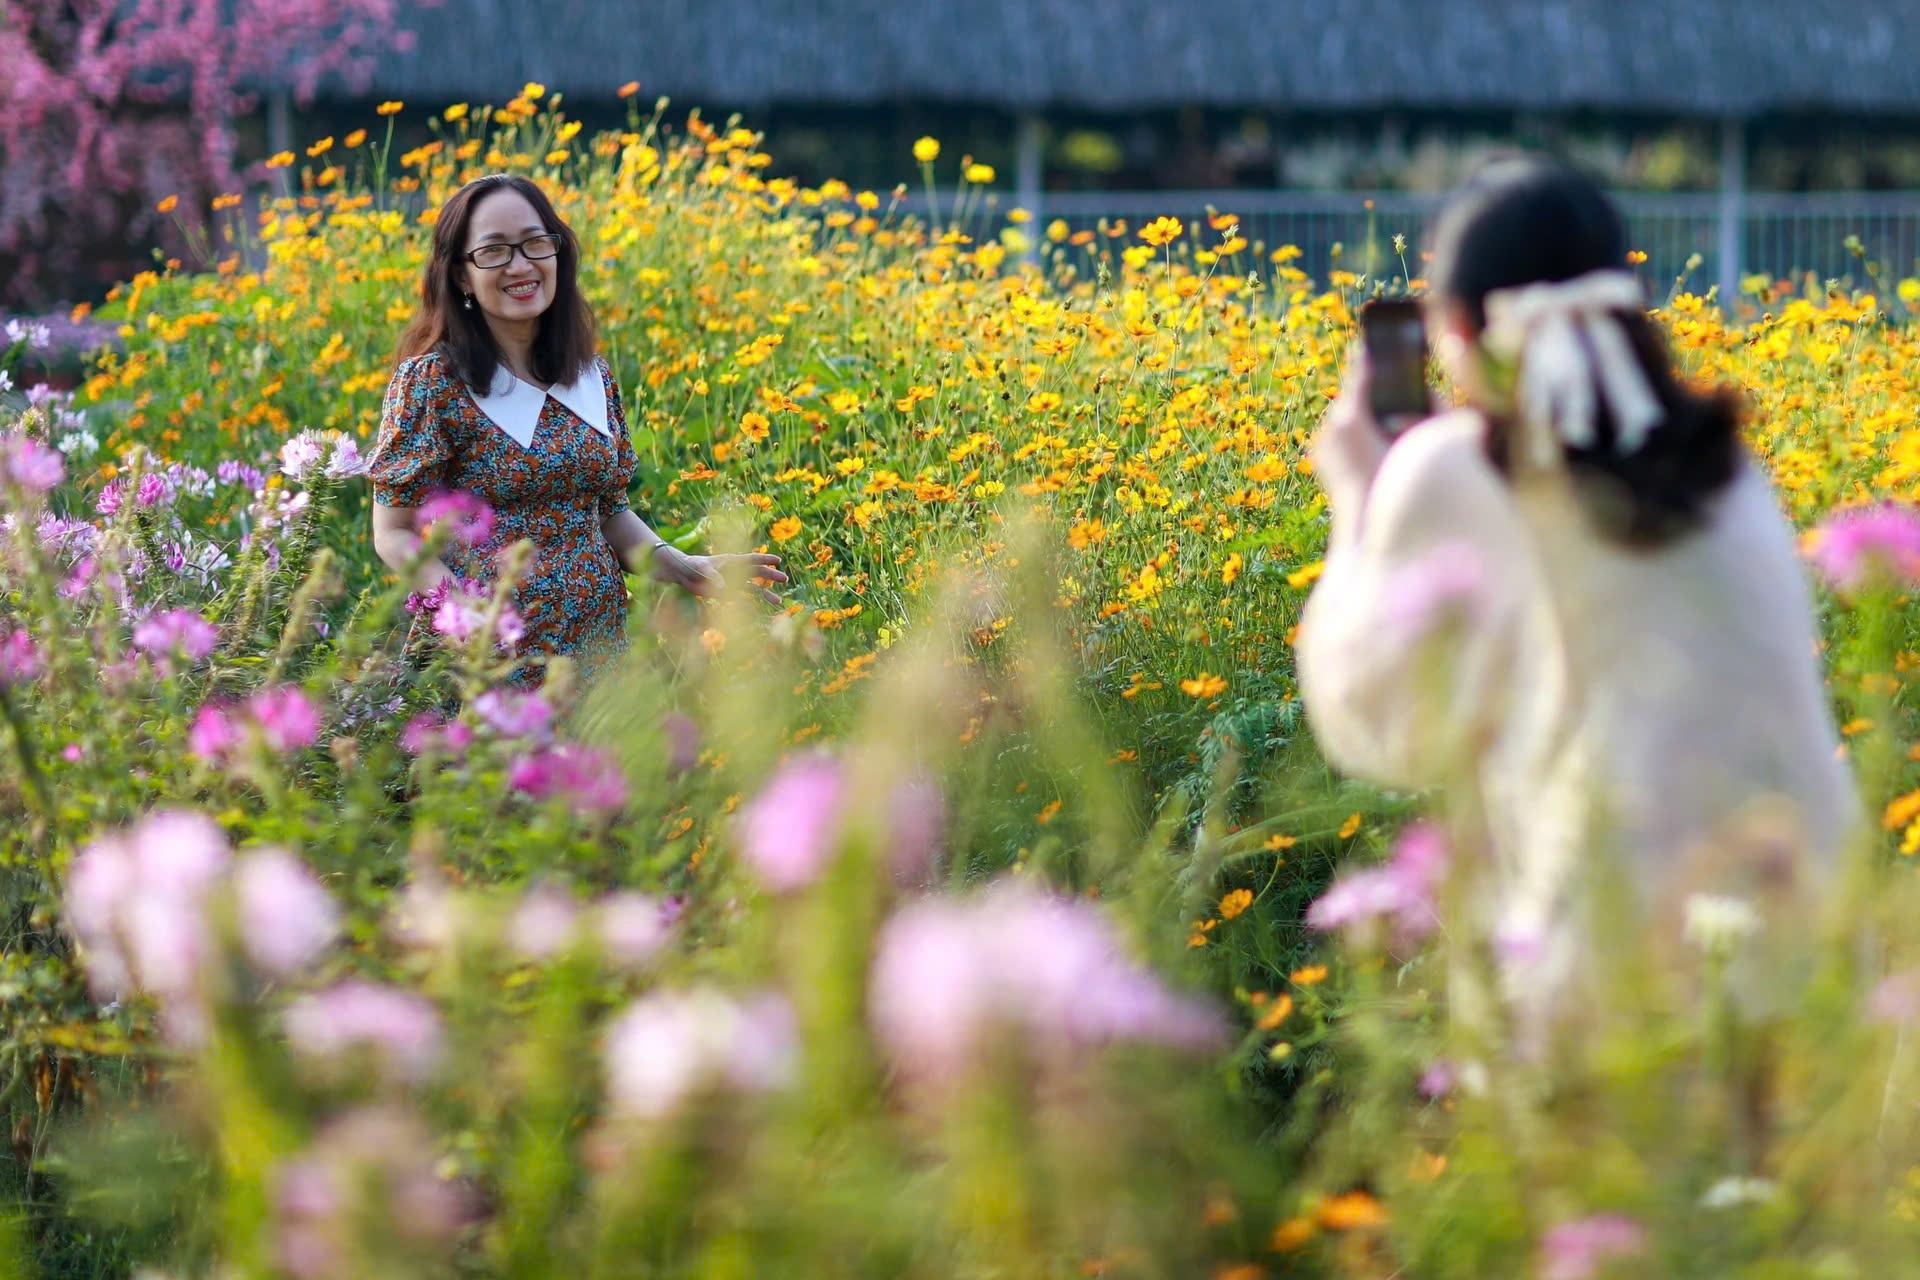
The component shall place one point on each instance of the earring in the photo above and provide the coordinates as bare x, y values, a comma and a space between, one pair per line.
468, 304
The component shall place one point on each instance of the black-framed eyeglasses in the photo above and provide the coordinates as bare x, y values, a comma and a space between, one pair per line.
491, 257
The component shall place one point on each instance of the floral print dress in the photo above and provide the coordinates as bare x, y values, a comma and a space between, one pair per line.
557, 490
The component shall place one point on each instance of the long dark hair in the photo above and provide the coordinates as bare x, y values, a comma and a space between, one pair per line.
565, 342
1525, 220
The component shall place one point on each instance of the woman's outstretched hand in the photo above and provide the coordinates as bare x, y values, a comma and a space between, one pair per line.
709, 575
1350, 444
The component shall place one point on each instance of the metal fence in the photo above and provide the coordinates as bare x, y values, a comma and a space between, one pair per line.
1783, 235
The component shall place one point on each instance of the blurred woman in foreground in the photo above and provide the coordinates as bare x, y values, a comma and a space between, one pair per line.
1574, 601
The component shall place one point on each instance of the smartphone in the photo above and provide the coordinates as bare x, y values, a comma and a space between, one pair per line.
1396, 343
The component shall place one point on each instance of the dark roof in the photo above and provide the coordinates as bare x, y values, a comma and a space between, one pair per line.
1691, 57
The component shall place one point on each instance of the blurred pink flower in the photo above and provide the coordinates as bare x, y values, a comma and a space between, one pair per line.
1859, 544
460, 615
1437, 1080
633, 926
683, 743
587, 777
514, 714
1577, 1250
136, 904
466, 518
175, 633
1400, 892
1896, 999
287, 920
370, 1174
432, 731
1053, 971
19, 658
1442, 586
214, 733
916, 815
789, 830
667, 1046
543, 924
286, 717
33, 466
400, 1028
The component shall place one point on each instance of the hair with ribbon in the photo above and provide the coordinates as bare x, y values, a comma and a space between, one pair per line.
1534, 254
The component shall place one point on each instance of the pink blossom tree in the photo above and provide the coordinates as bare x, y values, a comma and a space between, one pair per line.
109, 106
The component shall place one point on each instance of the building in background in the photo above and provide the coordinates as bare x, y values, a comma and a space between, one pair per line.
1715, 105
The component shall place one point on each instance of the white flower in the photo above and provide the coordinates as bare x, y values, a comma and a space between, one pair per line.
1717, 923
83, 443
1733, 1193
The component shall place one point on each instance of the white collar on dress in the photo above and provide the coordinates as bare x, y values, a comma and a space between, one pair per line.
515, 406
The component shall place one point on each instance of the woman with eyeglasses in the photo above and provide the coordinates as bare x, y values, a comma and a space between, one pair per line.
499, 394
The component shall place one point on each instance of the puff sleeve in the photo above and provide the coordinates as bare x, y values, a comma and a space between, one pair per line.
614, 499
413, 450
1407, 646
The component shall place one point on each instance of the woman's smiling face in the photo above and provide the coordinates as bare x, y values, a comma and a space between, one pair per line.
522, 289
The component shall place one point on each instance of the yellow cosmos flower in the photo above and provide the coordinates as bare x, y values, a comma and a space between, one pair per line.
354, 139
926, 150
1235, 903
979, 174
1162, 231
320, 148
457, 111
1312, 975
390, 108
1231, 569
169, 204
844, 401
280, 160
533, 91
1350, 827
785, 528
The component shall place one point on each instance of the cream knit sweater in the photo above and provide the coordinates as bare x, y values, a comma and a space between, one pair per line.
1657, 714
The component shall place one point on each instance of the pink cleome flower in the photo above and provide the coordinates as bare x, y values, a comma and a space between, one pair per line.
1400, 892
1854, 547
466, 518
789, 830
287, 920
1052, 972
401, 1029
175, 632
1577, 1250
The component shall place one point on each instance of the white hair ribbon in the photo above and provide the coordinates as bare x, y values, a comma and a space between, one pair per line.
1541, 325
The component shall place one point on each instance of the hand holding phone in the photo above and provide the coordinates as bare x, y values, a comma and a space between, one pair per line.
1395, 337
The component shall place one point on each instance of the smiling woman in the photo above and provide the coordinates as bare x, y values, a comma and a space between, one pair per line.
498, 393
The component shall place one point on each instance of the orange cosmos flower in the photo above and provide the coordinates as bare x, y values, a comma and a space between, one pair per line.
785, 528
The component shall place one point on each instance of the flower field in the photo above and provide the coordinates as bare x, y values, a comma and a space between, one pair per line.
952, 919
